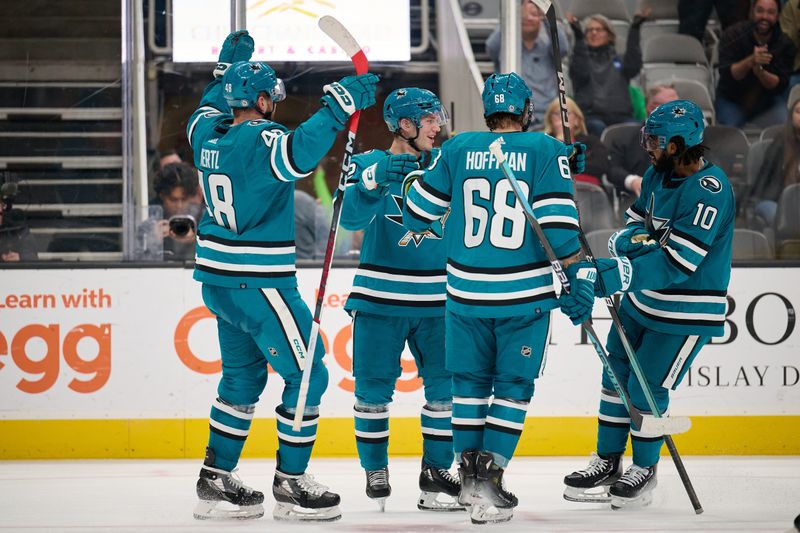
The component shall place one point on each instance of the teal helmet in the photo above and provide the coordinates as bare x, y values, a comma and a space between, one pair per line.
412, 103
506, 93
679, 118
243, 81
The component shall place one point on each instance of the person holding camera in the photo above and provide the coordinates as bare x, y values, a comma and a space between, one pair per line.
16, 243
170, 231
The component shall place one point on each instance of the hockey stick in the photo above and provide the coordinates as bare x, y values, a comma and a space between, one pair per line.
647, 423
339, 34
549, 8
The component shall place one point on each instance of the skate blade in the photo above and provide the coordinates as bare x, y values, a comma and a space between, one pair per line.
381, 503
575, 494
429, 501
217, 510
638, 502
489, 514
294, 513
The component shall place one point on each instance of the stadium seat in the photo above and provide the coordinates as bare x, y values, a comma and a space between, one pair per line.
787, 223
663, 17
595, 209
698, 93
770, 132
749, 245
755, 158
598, 241
728, 149
670, 55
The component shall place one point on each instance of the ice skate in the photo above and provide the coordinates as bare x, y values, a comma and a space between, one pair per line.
300, 498
591, 484
466, 475
493, 502
378, 487
439, 490
634, 488
223, 495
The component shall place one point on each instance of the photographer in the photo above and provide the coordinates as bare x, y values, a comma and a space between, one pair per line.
169, 233
16, 243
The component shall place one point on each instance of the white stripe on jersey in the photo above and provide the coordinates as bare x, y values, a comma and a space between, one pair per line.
305, 423
370, 415
436, 414
610, 399
298, 439
686, 298
493, 296
399, 295
504, 423
553, 201
259, 250
634, 217
688, 244
207, 111
433, 431
231, 267
671, 314
685, 351
679, 258
614, 419
372, 434
414, 208
553, 219
227, 429
428, 196
227, 409
512, 405
367, 273
514, 276
468, 421
286, 320
470, 401
282, 141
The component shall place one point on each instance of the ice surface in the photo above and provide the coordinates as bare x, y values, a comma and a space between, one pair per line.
738, 493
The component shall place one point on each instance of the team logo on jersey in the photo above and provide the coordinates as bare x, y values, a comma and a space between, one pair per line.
711, 183
410, 236
657, 226
526, 351
272, 351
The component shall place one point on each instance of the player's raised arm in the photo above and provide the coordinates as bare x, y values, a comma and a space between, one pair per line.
426, 196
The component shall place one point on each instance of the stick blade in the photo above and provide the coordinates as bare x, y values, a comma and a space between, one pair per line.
668, 425
340, 35
544, 5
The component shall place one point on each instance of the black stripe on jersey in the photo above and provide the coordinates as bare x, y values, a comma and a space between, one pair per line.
700, 244
646, 439
503, 429
678, 321
442, 438
620, 425
418, 216
433, 192
677, 264
258, 244
296, 444
244, 273
401, 271
638, 211
512, 301
290, 155
387, 301
560, 225
286, 414
372, 440
552, 195
468, 427
498, 270
226, 435
692, 292
283, 330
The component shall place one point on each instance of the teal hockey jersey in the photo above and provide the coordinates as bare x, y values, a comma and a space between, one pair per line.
401, 273
681, 287
247, 171
496, 266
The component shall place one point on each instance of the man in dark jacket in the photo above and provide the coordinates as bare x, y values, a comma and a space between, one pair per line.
755, 61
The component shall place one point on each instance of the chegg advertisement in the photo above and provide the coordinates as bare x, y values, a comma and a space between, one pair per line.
128, 343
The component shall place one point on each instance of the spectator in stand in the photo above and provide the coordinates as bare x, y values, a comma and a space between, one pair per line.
627, 163
600, 78
311, 226
537, 67
597, 164
170, 231
168, 157
790, 25
755, 61
693, 15
781, 166
16, 243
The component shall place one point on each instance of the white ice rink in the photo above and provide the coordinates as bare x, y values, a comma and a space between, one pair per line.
739, 494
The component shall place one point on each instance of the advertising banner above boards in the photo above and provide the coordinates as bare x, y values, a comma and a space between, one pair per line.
287, 31
139, 344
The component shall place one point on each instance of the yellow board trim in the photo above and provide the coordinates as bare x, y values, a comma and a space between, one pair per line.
186, 438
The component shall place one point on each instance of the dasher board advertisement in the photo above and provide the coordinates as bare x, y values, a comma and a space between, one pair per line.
286, 30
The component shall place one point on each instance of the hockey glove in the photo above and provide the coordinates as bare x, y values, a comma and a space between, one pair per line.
577, 157
238, 46
350, 94
631, 242
391, 168
613, 275
577, 304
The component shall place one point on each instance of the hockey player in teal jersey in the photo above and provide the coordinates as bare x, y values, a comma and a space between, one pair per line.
398, 297
499, 283
672, 262
247, 165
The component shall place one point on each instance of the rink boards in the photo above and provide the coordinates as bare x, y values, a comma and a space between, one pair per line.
124, 363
